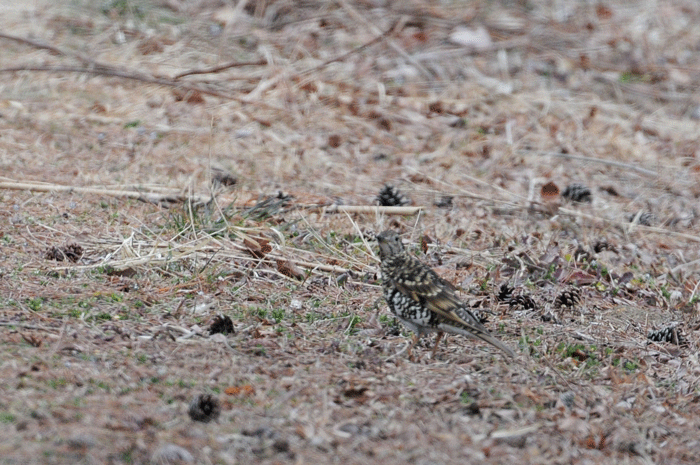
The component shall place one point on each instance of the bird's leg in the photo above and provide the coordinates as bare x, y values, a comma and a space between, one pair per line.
416, 338
437, 343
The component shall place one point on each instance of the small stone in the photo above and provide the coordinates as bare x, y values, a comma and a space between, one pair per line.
82, 441
281, 446
568, 398
171, 453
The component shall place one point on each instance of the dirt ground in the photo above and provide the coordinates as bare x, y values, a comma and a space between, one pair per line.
184, 276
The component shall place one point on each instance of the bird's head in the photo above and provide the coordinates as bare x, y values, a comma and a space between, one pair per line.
389, 244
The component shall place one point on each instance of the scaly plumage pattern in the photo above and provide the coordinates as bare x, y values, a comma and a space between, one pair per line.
422, 300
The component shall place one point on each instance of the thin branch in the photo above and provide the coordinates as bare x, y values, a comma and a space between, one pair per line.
368, 209
375, 30
51, 48
218, 69
342, 57
107, 71
110, 71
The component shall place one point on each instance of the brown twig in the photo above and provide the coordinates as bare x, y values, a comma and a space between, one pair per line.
51, 48
380, 37
104, 69
217, 69
396, 47
371, 209
110, 71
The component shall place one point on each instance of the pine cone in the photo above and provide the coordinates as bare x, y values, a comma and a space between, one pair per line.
390, 196
444, 202
204, 408
599, 246
505, 292
645, 219
221, 324
581, 255
672, 334
71, 252
568, 298
577, 193
223, 178
524, 302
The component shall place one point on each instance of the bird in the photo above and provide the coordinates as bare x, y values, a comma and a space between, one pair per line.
422, 300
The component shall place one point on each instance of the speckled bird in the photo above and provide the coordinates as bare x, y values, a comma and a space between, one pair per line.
422, 300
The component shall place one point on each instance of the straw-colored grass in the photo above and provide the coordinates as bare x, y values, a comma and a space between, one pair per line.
207, 160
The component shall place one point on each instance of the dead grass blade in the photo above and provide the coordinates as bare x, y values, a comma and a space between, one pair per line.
152, 197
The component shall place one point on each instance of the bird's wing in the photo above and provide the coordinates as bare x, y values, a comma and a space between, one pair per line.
424, 285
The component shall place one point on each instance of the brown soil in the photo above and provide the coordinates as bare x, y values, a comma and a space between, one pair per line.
165, 163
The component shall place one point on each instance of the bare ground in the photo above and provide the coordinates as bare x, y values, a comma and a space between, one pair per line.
121, 242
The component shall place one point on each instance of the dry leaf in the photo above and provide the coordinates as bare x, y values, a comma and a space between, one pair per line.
245, 390
258, 248
290, 270
549, 191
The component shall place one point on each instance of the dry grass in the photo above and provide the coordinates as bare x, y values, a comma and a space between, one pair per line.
121, 241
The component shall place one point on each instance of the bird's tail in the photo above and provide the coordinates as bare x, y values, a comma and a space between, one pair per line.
479, 335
